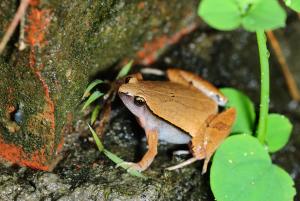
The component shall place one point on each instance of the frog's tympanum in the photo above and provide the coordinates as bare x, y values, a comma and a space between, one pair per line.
183, 110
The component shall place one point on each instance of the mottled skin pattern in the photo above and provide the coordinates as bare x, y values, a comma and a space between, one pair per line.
184, 110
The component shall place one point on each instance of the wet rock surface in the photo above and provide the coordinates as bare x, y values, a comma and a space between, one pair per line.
226, 59
85, 174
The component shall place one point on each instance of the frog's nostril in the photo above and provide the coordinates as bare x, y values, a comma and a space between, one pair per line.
123, 93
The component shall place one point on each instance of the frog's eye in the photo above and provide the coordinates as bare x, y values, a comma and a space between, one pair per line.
139, 101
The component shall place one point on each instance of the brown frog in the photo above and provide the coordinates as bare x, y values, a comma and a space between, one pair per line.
180, 111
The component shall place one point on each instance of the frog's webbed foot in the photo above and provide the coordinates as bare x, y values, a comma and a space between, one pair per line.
130, 166
185, 163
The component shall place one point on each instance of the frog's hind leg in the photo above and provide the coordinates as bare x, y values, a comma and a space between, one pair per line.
209, 139
216, 132
196, 148
191, 79
185, 163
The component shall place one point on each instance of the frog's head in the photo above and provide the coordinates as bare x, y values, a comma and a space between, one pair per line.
132, 96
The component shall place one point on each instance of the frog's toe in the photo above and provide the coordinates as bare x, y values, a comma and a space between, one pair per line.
130, 166
185, 163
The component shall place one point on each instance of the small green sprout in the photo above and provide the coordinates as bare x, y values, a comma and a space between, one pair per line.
95, 95
90, 87
108, 96
95, 114
117, 160
125, 70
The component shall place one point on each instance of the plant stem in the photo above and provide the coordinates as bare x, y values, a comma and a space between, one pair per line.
289, 79
265, 86
20, 13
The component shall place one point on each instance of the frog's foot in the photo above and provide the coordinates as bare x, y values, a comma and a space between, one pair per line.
185, 163
130, 166
206, 161
181, 152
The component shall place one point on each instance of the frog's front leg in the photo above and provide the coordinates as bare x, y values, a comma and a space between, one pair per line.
145, 162
191, 79
152, 140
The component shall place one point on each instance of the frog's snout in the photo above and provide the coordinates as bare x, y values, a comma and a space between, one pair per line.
123, 93
125, 89
122, 90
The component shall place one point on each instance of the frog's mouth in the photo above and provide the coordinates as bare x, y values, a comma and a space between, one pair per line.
126, 98
124, 95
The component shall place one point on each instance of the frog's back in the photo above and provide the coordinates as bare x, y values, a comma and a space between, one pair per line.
183, 106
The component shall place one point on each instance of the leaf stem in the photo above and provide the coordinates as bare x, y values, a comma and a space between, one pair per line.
265, 86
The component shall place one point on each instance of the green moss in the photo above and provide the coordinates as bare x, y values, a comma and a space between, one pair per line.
22, 87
